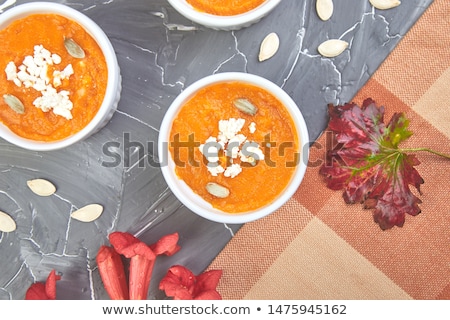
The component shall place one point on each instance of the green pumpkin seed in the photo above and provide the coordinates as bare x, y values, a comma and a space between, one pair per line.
14, 103
245, 106
74, 49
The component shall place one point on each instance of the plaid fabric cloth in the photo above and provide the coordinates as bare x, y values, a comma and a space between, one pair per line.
318, 247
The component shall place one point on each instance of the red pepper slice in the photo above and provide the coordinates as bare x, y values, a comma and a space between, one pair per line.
43, 291
112, 273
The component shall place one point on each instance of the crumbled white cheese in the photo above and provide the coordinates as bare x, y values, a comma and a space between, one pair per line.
56, 58
233, 170
229, 128
11, 71
210, 149
58, 101
252, 150
33, 73
244, 158
251, 153
215, 169
234, 145
58, 76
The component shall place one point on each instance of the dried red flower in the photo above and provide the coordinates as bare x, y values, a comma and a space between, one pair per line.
112, 272
43, 291
142, 259
167, 245
181, 284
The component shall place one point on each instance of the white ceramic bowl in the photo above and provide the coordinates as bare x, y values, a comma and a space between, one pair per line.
113, 89
185, 194
235, 22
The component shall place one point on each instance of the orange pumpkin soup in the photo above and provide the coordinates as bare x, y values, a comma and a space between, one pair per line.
225, 7
79, 83
210, 121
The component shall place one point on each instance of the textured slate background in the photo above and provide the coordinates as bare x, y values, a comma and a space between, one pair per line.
160, 53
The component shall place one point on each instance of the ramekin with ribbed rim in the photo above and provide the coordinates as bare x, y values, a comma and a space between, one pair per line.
113, 88
192, 200
217, 22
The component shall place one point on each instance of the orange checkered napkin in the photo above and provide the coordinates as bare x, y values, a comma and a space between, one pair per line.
318, 247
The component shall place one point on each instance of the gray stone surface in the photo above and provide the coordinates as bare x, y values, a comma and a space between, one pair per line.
160, 53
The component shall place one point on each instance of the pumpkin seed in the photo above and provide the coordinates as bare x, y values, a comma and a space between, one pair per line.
217, 190
245, 106
332, 48
73, 48
41, 187
324, 9
269, 46
88, 213
385, 4
7, 224
6, 4
14, 103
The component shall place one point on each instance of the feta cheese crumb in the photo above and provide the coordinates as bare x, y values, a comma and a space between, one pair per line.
234, 145
230, 127
254, 151
33, 73
233, 170
215, 169
210, 149
58, 76
56, 59
58, 101
11, 71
